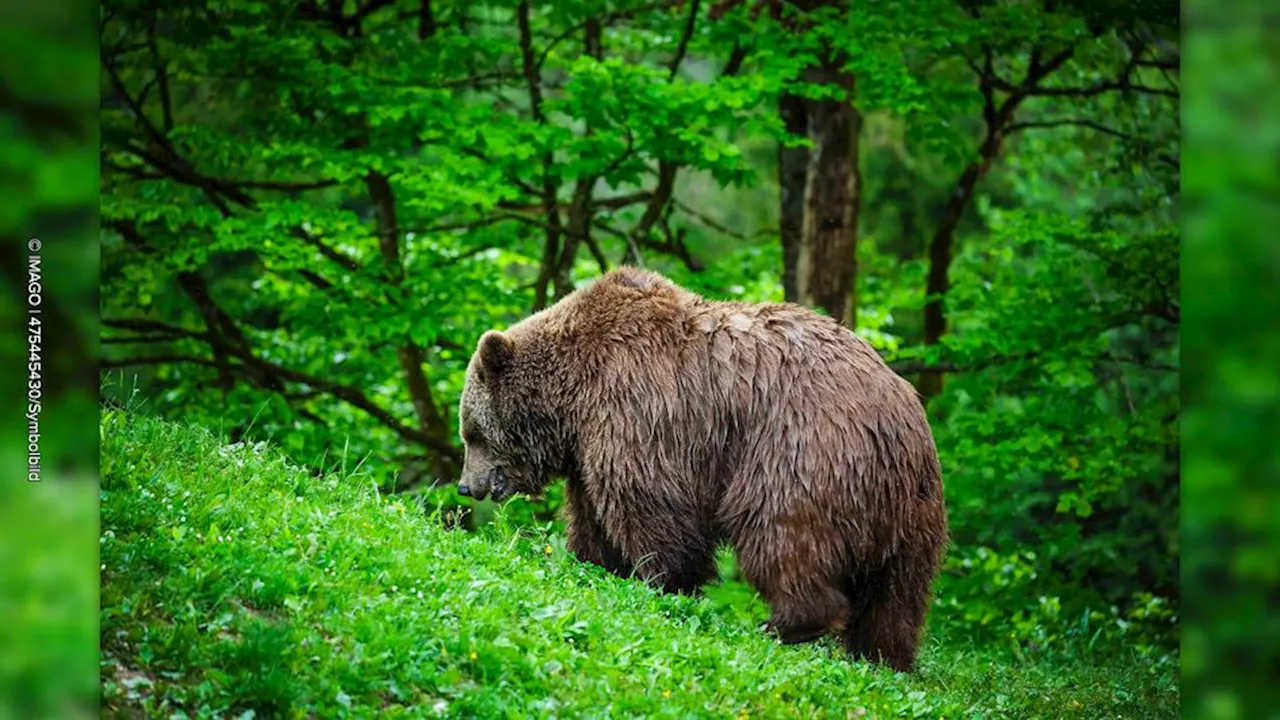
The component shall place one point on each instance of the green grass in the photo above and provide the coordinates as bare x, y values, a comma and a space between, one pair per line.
233, 582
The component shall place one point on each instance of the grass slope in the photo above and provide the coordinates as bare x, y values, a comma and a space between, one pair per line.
235, 585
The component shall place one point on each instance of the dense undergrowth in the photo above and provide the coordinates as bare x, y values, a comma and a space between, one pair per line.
237, 585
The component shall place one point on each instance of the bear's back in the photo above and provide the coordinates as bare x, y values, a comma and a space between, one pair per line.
650, 342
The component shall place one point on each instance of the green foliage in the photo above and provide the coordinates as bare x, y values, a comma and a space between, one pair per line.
235, 582
1063, 441
996, 599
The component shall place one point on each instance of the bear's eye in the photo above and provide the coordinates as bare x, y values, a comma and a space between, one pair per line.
472, 436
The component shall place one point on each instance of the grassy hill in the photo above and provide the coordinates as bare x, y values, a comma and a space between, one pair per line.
234, 585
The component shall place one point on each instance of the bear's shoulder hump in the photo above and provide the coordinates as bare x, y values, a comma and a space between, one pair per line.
635, 279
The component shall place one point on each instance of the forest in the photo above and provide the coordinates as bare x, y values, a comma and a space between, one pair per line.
312, 210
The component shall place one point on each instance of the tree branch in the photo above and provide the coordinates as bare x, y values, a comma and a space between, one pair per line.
426, 20
153, 326
197, 180
626, 153
177, 170
136, 339
708, 221
533, 82
1124, 82
1069, 122
657, 203
683, 47
284, 185
986, 82
597, 254
217, 190
326, 250
162, 73
1040, 71
582, 209
111, 364
612, 203
736, 58
673, 242
409, 354
1103, 87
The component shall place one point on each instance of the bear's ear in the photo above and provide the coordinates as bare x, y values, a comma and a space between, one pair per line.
496, 353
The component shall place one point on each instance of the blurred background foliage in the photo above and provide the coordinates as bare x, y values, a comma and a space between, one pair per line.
49, 190
1230, 566
312, 210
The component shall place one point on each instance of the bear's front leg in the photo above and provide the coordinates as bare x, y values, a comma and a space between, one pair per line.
678, 568
649, 500
669, 550
587, 539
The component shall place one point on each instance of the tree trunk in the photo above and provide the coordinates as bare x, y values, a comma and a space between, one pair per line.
939, 280
581, 209
819, 256
409, 354
793, 167
533, 83
941, 248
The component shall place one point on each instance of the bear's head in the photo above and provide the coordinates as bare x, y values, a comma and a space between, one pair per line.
506, 431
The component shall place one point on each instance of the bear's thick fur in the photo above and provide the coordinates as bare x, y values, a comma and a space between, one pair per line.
680, 422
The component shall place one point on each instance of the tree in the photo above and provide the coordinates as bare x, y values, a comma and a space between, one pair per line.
1114, 52
819, 183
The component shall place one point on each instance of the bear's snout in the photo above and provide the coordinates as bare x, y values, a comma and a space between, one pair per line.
493, 483
475, 485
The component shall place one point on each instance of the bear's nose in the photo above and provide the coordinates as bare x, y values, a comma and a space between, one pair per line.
463, 490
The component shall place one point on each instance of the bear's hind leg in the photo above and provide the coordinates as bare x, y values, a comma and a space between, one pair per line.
807, 613
888, 615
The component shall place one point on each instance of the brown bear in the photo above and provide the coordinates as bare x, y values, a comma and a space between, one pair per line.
680, 422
